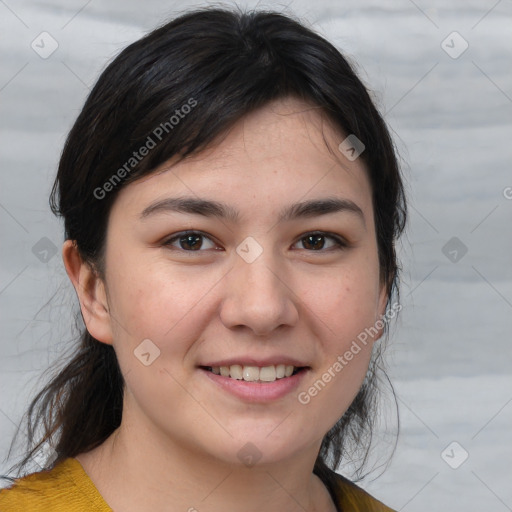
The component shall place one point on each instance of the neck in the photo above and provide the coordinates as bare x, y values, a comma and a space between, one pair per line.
135, 471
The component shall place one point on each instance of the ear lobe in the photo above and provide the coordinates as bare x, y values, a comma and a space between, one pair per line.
91, 293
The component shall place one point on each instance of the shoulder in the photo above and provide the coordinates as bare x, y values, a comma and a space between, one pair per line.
351, 497
65, 487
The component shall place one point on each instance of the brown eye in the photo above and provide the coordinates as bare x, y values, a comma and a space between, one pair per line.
319, 241
314, 242
190, 242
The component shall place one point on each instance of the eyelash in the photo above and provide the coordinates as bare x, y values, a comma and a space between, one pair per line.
339, 242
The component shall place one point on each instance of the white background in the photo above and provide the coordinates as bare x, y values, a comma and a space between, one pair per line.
450, 353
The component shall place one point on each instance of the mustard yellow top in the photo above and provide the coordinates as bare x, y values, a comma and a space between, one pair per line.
67, 488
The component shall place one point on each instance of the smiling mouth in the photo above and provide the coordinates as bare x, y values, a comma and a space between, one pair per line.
258, 374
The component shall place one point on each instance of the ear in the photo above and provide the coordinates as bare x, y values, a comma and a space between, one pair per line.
91, 293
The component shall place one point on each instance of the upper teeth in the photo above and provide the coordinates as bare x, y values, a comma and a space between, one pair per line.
254, 373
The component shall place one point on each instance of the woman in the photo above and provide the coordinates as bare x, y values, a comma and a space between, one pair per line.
231, 200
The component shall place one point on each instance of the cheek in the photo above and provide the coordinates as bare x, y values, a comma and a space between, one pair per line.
170, 310
157, 304
343, 302
344, 310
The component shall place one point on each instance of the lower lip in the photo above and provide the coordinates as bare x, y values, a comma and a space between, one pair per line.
257, 391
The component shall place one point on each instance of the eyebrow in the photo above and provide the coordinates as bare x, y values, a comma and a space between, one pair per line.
210, 208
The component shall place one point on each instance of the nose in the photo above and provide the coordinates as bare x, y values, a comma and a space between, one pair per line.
258, 297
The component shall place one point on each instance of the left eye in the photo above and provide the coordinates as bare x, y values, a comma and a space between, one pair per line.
317, 241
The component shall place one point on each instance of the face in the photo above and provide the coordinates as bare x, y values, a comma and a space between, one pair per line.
269, 259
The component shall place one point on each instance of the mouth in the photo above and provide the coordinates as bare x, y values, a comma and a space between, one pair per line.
259, 374
253, 383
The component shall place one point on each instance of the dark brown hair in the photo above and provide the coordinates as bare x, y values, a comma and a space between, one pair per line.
222, 64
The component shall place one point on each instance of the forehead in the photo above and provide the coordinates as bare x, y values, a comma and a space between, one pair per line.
286, 127
282, 152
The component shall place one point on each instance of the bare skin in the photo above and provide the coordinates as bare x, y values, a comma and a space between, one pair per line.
177, 448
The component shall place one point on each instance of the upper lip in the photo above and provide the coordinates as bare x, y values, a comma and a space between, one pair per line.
254, 361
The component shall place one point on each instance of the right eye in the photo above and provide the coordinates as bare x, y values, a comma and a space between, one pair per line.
189, 241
